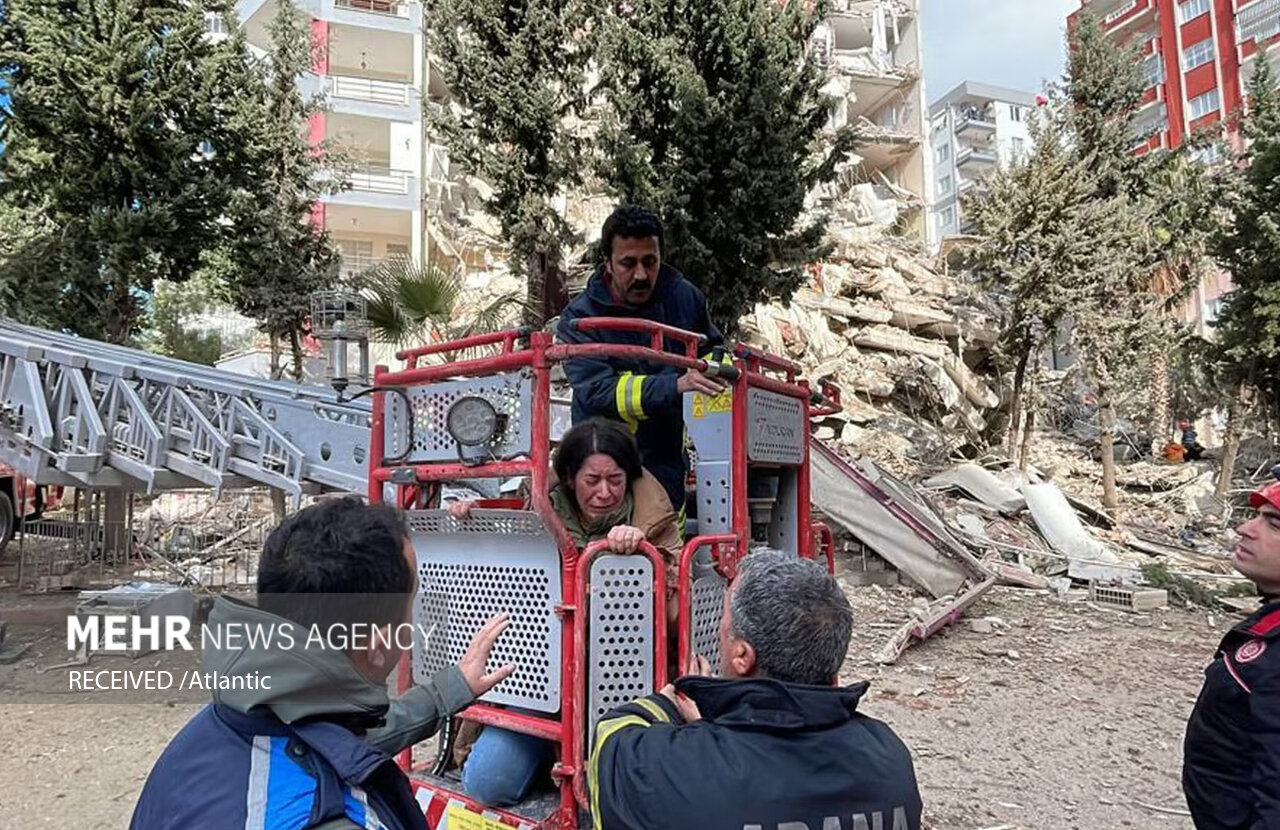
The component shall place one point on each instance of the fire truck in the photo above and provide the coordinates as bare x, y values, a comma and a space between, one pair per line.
588, 627
21, 500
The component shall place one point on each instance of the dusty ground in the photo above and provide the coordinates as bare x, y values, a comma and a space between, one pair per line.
1063, 716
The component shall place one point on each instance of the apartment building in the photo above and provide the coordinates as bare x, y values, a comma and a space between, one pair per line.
368, 64
1198, 56
872, 52
975, 128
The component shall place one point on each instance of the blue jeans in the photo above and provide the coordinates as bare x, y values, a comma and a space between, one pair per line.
502, 766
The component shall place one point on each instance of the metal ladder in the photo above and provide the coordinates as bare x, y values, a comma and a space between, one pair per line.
82, 413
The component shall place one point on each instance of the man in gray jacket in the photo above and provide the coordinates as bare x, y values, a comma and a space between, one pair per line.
305, 739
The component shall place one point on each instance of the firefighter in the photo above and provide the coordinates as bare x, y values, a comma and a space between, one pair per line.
632, 281
310, 744
771, 743
1231, 755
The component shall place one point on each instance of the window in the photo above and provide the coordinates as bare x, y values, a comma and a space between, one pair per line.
1153, 69
1203, 105
1018, 147
1197, 54
947, 218
1015, 112
944, 185
1209, 155
942, 153
397, 251
1191, 9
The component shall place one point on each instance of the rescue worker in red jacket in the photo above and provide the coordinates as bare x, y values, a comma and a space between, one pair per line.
1231, 755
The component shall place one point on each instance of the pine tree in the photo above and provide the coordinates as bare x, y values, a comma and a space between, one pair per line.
1046, 239
518, 70
105, 185
1105, 86
1248, 245
714, 114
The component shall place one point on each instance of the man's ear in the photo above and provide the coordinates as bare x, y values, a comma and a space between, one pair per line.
741, 661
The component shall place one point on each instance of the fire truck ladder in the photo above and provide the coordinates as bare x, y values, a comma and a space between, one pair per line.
82, 413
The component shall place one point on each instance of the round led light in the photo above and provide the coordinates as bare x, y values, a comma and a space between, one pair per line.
472, 421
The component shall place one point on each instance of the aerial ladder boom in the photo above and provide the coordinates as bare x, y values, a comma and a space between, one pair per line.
82, 413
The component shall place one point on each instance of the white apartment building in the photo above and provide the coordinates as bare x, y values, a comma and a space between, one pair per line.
368, 64
872, 51
974, 129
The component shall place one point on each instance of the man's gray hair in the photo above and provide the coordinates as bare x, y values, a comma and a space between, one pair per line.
793, 614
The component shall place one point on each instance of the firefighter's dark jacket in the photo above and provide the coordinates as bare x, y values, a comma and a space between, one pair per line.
764, 754
1231, 756
640, 393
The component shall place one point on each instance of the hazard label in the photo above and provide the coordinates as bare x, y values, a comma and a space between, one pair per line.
460, 818
719, 404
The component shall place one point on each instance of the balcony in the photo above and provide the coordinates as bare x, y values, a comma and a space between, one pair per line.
375, 178
977, 119
977, 157
1119, 12
376, 185
1258, 21
372, 98
368, 89
389, 15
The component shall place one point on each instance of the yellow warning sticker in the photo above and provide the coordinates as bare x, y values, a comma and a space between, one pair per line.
460, 818
719, 404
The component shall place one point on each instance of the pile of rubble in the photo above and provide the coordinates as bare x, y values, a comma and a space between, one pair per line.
909, 347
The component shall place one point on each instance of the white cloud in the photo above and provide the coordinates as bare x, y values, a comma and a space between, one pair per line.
1016, 43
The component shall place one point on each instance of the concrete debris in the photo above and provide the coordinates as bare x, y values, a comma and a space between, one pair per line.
982, 485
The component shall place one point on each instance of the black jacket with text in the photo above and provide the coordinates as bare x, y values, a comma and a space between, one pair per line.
765, 755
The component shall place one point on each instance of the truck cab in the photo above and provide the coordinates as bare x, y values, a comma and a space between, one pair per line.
588, 627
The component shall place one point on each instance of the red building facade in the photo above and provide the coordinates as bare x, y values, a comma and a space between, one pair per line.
1198, 57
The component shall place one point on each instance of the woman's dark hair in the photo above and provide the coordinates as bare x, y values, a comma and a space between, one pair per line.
597, 435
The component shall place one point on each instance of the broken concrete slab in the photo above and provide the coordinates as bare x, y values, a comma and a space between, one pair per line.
889, 339
973, 387
1061, 527
980, 483
885, 516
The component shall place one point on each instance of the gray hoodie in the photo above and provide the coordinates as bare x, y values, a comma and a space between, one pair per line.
323, 684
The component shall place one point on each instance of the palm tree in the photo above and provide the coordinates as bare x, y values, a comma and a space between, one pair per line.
409, 304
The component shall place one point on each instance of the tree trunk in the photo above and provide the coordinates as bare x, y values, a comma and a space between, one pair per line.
278, 506
1019, 379
295, 347
1231, 445
1106, 441
1025, 450
277, 371
1160, 417
535, 300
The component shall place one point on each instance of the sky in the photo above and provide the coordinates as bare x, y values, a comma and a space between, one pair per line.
1014, 43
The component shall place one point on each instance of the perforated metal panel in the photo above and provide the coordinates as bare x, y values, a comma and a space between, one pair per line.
775, 428
511, 394
712, 436
468, 570
620, 628
704, 628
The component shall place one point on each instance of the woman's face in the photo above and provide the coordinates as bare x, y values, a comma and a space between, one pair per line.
599, 486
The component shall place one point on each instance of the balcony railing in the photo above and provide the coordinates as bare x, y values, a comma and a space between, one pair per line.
976, 155
1120, 11
368, 89
391, 8
374, 178
979, 118
1258, 21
